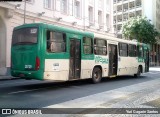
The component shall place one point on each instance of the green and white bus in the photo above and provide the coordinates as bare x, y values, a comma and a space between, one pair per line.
41, 51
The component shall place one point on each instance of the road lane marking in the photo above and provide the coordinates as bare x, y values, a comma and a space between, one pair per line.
23, 91
27, 90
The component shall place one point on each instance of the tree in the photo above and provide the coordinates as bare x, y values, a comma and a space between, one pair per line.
141, 29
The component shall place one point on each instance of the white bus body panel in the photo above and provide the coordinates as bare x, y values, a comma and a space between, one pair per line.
56, 69
127, 65
102, 60
86, 68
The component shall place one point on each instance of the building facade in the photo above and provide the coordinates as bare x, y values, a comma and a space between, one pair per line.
86, 15
125, 9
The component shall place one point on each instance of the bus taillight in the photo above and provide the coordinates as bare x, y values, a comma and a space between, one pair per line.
37, 65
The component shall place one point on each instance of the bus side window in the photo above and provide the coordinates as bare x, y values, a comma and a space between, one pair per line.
132, 51
87, 45
123, 49
100, 46
56, 42
140, 51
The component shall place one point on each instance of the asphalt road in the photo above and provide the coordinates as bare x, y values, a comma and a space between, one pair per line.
22, 93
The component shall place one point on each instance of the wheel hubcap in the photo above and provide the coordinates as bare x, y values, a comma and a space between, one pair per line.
96, 75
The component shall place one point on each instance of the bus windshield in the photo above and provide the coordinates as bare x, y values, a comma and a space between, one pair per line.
25, 36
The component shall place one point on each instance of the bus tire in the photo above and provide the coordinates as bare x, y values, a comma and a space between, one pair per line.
138, 73
96, 75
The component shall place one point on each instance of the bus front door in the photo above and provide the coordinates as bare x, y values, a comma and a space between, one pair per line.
113, 60
75, 59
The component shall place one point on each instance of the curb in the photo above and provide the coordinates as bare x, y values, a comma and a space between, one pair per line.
3, 78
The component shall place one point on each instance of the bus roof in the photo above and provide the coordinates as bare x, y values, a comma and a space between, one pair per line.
54, 27
114, 39
64, 29
119, 40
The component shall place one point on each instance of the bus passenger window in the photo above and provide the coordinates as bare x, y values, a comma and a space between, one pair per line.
87, 45
123, 49
100, 47
140, 51
56, 42
132, 50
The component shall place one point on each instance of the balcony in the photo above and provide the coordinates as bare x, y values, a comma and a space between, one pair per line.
125, 19
120, 20
119, 1
131, 16
130, 8
119, 10
139, 9
125, 9
138, 5
119, 30
125, 1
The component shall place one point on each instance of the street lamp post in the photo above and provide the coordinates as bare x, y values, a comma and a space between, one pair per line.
25, 11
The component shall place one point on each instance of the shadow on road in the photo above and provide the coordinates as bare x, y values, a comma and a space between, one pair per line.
68, 84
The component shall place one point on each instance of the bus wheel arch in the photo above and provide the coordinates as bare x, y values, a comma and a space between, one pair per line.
141, 68
97, 74
139, 71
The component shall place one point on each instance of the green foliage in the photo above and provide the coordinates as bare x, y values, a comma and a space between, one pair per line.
141, 29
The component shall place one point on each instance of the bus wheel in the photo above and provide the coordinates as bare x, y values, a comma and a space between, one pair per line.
96, 75
138, 72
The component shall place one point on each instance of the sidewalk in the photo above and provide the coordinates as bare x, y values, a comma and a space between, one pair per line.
154, 68
145, 97
7, 78
142, 96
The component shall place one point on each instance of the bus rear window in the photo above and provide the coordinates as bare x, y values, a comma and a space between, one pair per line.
25, 36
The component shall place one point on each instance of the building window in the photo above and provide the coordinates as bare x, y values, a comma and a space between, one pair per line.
48, 4
100, 47
100, 17
56, 42
90, 13
77, 9
123, 49
108, 21
87, 45
132, 50
64, 6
